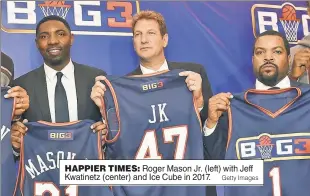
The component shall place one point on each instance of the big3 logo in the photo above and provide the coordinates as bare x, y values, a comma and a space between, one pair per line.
287, 18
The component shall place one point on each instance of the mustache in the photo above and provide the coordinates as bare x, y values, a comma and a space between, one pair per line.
268, 62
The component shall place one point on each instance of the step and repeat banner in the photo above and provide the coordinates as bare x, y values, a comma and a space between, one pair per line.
218, 35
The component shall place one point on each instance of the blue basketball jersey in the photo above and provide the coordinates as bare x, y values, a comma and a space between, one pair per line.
8, 169
44, 145
273, 126
152, 117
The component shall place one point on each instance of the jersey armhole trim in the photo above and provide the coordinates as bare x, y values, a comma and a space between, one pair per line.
197, 113
21, 174
99, 146
229, 133
109, 85
13, 109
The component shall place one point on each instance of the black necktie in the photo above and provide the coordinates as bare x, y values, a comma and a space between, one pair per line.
61, 102
273, 88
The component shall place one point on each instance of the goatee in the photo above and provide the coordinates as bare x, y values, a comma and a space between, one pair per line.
268, 80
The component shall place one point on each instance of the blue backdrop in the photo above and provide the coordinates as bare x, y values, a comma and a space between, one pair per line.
218, 35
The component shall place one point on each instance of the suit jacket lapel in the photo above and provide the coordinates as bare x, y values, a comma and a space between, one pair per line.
80, 87
41, 95
170, 65
136, 71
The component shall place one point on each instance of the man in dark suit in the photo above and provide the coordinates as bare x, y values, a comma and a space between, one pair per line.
59, 90
150, 37
271, 55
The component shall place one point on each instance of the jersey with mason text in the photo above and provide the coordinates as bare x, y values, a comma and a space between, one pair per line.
44, 145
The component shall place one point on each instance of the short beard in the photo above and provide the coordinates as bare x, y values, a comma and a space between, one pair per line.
268, 80
54, 61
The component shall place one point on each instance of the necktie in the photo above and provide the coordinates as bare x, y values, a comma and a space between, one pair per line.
273, 88
61, 102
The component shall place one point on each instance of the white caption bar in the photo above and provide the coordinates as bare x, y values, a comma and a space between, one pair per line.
161, 172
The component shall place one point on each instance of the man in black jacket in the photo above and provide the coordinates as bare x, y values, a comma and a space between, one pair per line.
150, 37
59, 89
271, 54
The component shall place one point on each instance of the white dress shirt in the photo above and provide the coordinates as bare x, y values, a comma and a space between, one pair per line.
68, 81
284, 83
163, 67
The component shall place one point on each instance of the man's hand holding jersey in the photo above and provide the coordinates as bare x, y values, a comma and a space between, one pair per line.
301, 63
17, 130
21, 100
100, 126
217, 105
194, 83
21, 105
97, 92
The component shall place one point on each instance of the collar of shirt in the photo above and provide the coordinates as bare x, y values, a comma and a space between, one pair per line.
68, 71
284, 83
163, 67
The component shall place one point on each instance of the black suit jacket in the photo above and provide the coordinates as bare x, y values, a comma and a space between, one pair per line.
206, 88
34, 83
215, 144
